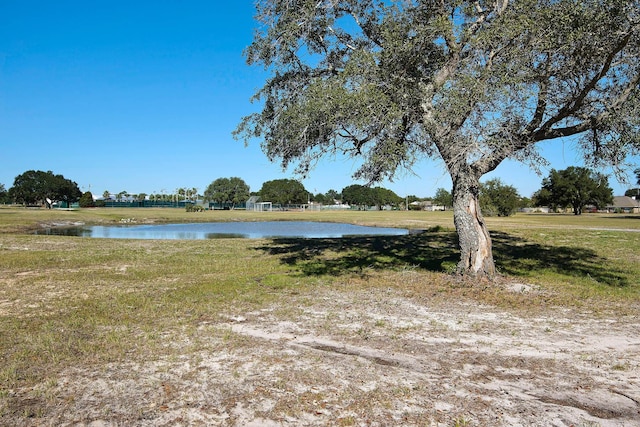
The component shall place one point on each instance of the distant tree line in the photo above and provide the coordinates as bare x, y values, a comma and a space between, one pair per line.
496, 198
233, 191
180, 194
573, 188
363, 196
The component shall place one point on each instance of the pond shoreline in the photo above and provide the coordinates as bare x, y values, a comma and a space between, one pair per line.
228, 229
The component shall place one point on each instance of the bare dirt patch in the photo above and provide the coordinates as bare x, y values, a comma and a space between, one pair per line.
374, 357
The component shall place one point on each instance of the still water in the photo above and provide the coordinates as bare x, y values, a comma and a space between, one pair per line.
219, 230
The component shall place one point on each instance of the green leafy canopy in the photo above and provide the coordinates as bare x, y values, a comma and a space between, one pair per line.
471, 83
227, 190
576, 187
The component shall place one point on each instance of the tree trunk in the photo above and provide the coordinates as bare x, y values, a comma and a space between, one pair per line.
476, 258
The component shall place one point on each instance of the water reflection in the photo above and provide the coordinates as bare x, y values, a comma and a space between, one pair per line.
219, 230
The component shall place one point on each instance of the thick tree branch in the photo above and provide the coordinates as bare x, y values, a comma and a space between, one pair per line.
577, 102
442, 141
592, 122
358, 143
541, 106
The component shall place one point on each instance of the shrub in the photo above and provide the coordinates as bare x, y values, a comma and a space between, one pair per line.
86, 200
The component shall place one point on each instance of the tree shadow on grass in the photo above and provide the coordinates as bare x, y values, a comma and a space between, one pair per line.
636, 216
518, 257
336, 256
437, 251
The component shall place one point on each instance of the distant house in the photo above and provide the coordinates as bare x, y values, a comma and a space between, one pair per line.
624, 204
426, 205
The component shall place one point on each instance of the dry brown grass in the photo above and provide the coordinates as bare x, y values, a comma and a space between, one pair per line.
363, 331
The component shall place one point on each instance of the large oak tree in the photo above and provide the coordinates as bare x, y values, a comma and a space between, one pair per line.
284, 192
232, 191
35, 186
576, 187
470, 82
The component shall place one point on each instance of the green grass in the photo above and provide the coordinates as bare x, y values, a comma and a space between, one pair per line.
67, 301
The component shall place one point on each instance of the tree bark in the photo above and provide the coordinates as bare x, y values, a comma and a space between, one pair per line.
476, 257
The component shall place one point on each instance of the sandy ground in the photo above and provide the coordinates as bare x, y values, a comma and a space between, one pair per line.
365, 358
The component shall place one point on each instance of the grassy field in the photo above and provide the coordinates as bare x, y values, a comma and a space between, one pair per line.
70, 302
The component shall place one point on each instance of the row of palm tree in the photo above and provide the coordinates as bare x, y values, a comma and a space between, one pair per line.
180, 194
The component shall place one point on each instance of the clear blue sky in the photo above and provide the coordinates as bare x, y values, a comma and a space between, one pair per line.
142, 96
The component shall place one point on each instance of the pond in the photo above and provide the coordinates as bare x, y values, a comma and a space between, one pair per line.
221, 230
